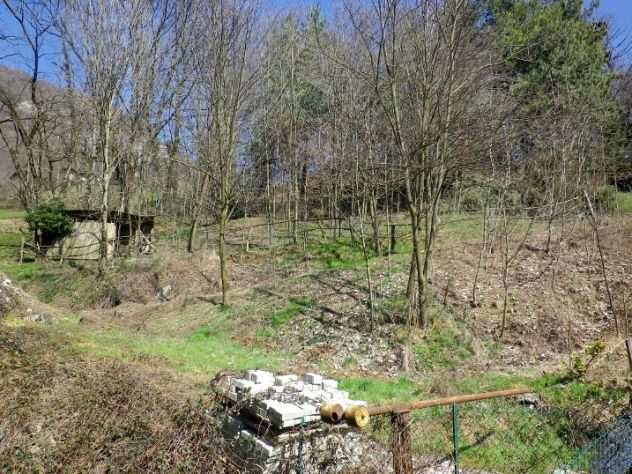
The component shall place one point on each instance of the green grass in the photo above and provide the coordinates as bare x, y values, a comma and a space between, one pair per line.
9, 246
6, 214
624, 202
498, 435
340, 254
282, 317
200, 353
47, 279
445, 344
27, 273
379, 391
295, 306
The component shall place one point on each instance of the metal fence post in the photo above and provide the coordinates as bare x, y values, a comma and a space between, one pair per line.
455, 436
301, 440
401, 445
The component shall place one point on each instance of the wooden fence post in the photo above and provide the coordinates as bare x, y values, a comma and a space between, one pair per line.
628, 346
401, 443
393, 240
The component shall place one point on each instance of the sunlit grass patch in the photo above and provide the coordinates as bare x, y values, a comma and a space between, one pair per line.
202, 353
6, 214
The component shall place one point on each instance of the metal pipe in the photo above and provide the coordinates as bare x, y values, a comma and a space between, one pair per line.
332, 413
418, 405
357, 416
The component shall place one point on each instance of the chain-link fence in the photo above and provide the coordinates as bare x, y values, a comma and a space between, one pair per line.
521, 433
609, 453
502, 435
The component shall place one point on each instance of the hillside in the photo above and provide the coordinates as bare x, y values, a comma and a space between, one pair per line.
366, 237
295, 314
15, 87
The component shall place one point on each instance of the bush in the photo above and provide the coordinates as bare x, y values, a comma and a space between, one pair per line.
49, 219
605, 198
472, 199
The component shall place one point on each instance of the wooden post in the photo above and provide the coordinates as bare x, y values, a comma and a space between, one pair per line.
447, 290
305, 243
22, 251
625, 317
393, 240
401, 443
628, 346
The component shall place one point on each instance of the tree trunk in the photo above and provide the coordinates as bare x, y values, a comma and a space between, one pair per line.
221, 250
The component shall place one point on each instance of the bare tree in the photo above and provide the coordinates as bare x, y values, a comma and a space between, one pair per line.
425, 66
29, 111
226, 73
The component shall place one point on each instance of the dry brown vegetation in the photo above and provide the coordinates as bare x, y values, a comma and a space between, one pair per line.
66, 413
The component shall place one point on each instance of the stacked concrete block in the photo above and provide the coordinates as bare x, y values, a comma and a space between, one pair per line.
283, 380
314, 379
261, 377
286, 400
271, 408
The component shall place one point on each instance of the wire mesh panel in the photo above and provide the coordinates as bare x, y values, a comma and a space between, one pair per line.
496, 435
610, 453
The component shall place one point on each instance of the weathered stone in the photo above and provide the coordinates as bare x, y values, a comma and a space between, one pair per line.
165, 293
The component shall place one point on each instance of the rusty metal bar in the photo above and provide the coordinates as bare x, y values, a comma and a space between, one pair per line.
418, 405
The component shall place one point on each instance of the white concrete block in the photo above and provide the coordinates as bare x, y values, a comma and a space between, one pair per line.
329, 384
250, 441
313, 378
283, 411
310, 409
258, 388
339, 394
242, 384
233, 395
285, 379
294, 387
260, 376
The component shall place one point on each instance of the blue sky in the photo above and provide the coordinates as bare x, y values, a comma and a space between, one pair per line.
618, 13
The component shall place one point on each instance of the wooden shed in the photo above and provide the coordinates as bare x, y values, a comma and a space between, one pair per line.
84, 242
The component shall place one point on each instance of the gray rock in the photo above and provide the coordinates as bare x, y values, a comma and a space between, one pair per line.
530, 400
165, 293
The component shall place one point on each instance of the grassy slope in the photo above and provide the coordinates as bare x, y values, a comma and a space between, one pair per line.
200, 339
197, 341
